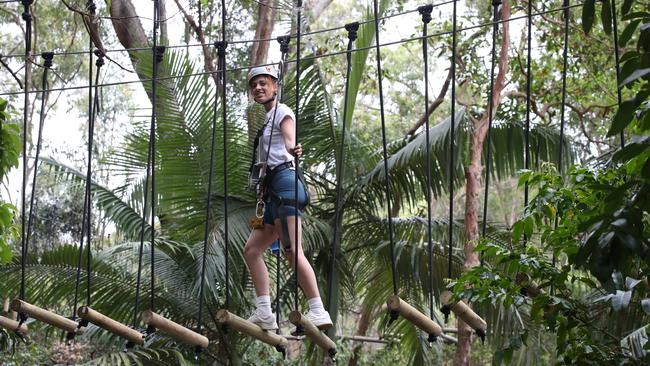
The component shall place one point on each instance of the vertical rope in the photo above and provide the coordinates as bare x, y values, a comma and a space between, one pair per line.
566, 14
446, 310
222, 56
276, 251
425, 12
452, 139
221, 52
297, 160
618, 64
27, 17
85, 206
158, 54
528, 95
385, 152
352, 29
99, 63
47, 56
488, 162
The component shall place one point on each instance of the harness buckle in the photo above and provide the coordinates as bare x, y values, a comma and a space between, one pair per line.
257, 221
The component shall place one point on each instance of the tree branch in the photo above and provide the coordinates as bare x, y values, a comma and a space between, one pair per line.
91, 22
433, 106
445, 86
207, 56
11, 72
263, 30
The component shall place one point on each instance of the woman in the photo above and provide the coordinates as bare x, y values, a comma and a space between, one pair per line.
277, 147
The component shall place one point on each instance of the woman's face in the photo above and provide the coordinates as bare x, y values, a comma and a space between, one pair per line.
263, 88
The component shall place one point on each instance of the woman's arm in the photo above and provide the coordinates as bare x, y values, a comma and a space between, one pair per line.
288, 128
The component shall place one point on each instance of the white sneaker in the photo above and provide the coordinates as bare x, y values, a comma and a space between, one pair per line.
265, 322
321, 320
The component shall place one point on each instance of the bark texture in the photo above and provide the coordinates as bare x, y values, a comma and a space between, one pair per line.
263, 30
473, 180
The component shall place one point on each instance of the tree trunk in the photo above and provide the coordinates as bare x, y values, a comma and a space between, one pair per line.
264, 29
129, 31
473, 183
362, 328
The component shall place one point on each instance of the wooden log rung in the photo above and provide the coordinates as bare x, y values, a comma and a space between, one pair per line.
251, 329
13, 325
313, 333
115, 327
528, 287
175, 330
46, 316
464, 312
414, 316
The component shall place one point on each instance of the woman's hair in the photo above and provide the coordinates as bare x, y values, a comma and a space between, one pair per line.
268, 77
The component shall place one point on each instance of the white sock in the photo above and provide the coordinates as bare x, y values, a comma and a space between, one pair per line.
264, 305
316, 305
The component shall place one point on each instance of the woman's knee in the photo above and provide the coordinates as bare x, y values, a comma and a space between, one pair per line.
251, 252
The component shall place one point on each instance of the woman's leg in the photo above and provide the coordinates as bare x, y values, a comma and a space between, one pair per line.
306, 276
258, 241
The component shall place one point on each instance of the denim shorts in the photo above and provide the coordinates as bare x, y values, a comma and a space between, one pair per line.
283, 185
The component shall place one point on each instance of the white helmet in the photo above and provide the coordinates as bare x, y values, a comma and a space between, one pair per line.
262, 70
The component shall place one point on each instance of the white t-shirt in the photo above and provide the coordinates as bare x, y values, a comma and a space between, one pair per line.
278, 153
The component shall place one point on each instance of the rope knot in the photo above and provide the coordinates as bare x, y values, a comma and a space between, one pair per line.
48, 57
100, 57
284, 43
160, 53
221, 47
352, 29
425, 11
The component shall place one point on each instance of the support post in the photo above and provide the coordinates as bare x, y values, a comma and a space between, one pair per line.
13, 325
464, 312
110, 325
175, 330
46, 316
414, 316
313, 333
250, 329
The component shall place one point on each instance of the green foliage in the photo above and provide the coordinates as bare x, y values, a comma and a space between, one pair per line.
9, 151
635, 68
601, 238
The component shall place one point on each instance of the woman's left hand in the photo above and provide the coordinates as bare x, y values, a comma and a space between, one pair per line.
297, 151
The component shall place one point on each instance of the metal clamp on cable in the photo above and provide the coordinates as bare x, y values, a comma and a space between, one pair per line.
352, 29
48, 57
446, 310
299, 331
432, 338
284, 43
160, 53
27, 16
394, 314
425, 12
282, 349
197, 352
100, 58
91, 7
221, 47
